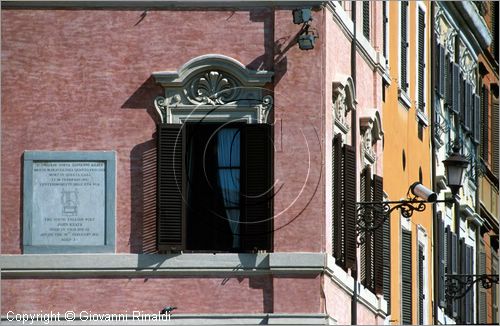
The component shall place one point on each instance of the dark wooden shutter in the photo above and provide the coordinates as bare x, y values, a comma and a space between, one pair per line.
387, 263
467, 109
495, 138
441, 72
449, 253
477, 119
404, 45
421, 60
462, 270
455, 88
350, 205
366, 19
378, 243
258, 193
170, 220
485, 123
421, 295
338, 226
406, 278
454, 269
366, 249
469, 296
482, 292
448, 87
460, 97
442, 260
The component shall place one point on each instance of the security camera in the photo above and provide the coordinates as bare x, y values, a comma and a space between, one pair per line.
423, 192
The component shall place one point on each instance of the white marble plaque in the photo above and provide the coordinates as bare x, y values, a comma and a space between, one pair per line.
69, 205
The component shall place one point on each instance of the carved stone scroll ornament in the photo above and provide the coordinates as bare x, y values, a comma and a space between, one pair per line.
212, 87
340, 109
367, 145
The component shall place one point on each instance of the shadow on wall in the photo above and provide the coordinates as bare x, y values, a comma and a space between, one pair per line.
143, 174
143, 197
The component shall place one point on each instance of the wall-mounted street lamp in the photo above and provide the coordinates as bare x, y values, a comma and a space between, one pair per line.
455, 166
372, 215
306, 38
457, 285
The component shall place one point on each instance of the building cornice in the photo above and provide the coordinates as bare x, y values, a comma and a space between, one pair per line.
463, 13
154, 4
138, 265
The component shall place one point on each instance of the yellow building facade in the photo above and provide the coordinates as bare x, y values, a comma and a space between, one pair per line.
407, 156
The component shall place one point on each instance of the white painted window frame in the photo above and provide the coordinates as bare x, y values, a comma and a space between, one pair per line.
422, 116
423, 240
404, 95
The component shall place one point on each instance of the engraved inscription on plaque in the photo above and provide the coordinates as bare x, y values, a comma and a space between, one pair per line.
69, 203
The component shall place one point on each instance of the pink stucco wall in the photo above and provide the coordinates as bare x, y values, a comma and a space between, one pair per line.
75, 80
80, 80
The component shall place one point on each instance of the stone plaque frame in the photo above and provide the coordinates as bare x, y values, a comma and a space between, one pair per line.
109, 160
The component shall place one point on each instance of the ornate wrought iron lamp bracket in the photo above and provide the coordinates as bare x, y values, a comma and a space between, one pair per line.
457, 285
372, 215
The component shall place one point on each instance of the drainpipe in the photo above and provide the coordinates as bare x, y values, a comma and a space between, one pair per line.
354, 272
435, 236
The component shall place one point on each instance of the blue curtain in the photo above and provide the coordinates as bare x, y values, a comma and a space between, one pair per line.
228, 157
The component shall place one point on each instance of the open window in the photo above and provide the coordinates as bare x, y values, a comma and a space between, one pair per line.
215, 158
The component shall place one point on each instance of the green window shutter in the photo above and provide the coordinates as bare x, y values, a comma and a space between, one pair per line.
455, 88
378, 241
448, 79
366, 19
170, 220
467, 109
442, 261
421, 295
406, 278
338, 227
350, 205
477, 119
442, 70
421, 60
258, 193
404, 45
452, 269
468, 297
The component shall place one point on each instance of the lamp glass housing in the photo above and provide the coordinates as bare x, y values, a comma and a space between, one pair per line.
455, 166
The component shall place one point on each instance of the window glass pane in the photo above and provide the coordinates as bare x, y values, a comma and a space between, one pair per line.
228, 147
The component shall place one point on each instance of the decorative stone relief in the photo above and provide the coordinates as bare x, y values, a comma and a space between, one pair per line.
367, 145
371, 132
212, 87
343, 101
340, 109
216, 88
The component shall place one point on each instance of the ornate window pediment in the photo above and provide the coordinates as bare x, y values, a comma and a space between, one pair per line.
343, 101
213, 88
371, 132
